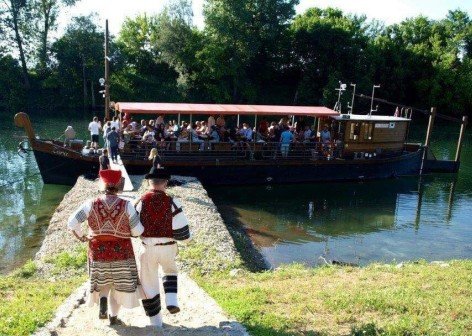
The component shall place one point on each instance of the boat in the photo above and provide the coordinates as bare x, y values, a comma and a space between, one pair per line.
364, 147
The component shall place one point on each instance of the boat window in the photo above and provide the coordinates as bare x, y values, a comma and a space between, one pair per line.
354, 131
367, 131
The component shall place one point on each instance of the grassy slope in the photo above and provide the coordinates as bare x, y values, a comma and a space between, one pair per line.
28, 301
417, 299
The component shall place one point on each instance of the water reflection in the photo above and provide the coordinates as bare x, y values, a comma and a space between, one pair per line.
407, 218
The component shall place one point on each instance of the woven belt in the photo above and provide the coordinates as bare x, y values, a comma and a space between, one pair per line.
162, 244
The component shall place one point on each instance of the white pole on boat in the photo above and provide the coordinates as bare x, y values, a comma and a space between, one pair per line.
178, 120
351, 107
372, 101
237, 122
191, 131
465, 120
254, 134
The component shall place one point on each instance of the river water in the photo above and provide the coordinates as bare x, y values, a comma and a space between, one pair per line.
389, 220
399, 219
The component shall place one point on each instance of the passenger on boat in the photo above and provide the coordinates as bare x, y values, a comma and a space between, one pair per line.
143, 127
159, 120
155, 158
246, 133
220, 121
112, 268
197, 140
214, 135
325, 135
88, 150
149, 136
308, 134
286, 138
69, 135
104, 160
116, 123
183, 136
94, 128
211, 121
113, 139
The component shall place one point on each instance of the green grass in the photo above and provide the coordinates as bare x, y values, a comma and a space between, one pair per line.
27, 303
417, 299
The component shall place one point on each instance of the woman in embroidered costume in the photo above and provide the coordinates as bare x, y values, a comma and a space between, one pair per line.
164, 223
112, 265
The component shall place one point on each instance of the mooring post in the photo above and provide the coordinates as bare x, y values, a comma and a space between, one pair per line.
465, 120
432, 116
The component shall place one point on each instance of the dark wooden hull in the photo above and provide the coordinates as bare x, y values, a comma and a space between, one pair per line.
60, 165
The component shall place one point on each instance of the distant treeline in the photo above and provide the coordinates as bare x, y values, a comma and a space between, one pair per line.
247, 52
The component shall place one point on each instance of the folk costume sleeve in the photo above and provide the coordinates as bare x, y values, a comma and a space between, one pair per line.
135, 224
78, 217
180, 227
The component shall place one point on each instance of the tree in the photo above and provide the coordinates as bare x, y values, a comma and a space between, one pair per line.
46, 13
15, 19
79, 55
239, 37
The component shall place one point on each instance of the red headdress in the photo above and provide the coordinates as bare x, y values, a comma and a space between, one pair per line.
110, 177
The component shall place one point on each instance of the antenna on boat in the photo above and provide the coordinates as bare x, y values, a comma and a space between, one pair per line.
372, 101
342, 88
351, 106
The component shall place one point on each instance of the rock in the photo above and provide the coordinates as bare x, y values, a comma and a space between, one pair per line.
440, 263
235, 272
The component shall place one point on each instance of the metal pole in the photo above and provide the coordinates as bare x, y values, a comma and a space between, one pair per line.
178, 120
237, 122
372, 101
353, 97
255, 133
107, 83
428, 138
465, 120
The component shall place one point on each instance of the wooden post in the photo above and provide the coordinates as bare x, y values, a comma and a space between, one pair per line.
432, 116
465, 119
107, 83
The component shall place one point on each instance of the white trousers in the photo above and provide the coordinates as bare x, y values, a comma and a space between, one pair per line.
151, 259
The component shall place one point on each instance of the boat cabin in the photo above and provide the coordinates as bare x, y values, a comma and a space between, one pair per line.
370, 136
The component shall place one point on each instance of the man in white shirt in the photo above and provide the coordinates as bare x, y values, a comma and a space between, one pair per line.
94, 128
115, 123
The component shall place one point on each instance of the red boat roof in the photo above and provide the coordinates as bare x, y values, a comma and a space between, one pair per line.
224, 109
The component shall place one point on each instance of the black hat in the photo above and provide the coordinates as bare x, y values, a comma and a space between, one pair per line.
157, 173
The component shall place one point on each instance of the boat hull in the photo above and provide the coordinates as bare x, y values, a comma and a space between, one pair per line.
61, 166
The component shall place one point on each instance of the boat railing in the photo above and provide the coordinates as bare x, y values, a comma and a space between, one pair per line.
207, 150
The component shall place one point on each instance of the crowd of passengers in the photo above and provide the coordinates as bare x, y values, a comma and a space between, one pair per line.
159, 133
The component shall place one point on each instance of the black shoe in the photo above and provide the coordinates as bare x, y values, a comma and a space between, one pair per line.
115, 321
103, 312
173, 309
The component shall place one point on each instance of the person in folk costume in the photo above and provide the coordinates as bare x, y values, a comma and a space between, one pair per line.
164, 224
112, 265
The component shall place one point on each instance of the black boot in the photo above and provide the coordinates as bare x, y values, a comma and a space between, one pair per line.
115, 321
103, 313
173, 309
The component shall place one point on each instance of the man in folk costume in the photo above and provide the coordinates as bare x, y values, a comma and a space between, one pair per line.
112, 266
164, 224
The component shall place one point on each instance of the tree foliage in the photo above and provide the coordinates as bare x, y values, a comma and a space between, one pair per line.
247, 52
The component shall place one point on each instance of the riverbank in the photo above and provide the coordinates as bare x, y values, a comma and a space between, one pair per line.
60, 264
409, 298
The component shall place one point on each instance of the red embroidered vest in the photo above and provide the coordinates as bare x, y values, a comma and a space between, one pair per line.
109, 218
156, 215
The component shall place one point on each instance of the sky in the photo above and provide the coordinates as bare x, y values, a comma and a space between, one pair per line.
389, 11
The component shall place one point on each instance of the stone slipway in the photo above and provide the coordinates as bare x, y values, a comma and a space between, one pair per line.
200, 314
